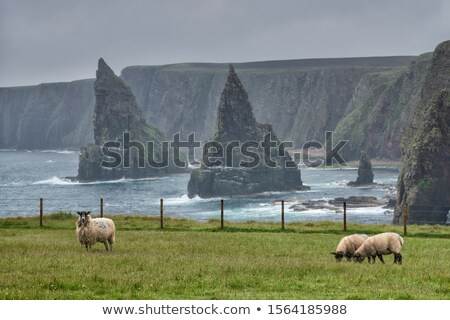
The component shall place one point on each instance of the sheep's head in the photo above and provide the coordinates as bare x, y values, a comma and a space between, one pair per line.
338, 256
83, 216
349, 256
358, 258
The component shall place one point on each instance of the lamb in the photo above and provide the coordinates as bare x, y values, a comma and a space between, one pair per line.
90, 231
348, 245
379, 245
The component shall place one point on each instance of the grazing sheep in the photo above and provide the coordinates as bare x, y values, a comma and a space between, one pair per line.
90, 231
379, 245
348, 245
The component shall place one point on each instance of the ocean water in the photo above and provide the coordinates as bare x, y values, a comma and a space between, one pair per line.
26, 176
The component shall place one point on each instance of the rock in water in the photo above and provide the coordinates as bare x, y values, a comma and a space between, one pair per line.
116, 111
365, 173
424, 181
236, 125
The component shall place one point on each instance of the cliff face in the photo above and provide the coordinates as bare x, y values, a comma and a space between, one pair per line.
236, 124
380, 110
302, 103
424, 182
46, 116
301, 98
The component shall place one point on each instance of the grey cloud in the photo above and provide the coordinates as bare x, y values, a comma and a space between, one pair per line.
47, 41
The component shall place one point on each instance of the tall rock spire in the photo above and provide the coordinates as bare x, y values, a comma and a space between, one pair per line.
116, 110
236, 124
235, 120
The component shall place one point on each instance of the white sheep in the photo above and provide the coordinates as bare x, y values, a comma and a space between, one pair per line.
379, 245
348, 245
90, 231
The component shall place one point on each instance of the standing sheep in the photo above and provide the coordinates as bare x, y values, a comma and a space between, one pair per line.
348, 245
90, 231
379, 245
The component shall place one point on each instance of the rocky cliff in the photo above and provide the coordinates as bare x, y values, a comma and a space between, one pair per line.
424, 182
47, 116
302, 98
241, 171
380, 110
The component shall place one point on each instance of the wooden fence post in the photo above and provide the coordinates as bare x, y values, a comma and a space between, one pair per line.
101, 207
405, 219
345, 216
41, 211
221, 214
282, 214
161, 213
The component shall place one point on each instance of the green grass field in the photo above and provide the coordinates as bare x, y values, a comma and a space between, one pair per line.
192, 260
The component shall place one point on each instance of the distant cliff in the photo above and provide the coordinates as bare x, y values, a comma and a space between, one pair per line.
367, 100
47, 116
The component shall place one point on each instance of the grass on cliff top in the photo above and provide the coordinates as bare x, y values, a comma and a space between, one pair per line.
193, 260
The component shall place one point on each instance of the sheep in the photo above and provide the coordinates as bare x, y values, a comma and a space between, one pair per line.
379, 245
90, 231
348, 245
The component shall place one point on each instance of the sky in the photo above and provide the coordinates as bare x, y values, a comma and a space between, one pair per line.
55, 41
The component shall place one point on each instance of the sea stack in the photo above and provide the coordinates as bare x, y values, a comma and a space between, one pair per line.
424, 181
116, 112
365, 173
233, 172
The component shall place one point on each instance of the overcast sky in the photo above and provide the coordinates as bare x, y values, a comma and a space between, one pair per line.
54, 40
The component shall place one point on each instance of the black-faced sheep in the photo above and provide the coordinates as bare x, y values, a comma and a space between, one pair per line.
379, 245
348, 245
90, 231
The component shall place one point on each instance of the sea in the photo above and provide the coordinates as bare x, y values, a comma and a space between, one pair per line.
27, 176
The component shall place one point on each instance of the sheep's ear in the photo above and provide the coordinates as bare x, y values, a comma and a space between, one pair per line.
79, 213
333, 253
88, 212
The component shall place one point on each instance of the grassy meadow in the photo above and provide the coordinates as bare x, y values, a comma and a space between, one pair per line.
193, 260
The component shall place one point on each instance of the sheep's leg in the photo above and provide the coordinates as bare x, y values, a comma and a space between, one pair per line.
106, 245
110, 245
373, 259
87, 248
368, 259
398, 258
380, 257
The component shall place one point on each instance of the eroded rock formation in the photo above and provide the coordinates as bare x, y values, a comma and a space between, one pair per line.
116, 112
263, 170
365, 173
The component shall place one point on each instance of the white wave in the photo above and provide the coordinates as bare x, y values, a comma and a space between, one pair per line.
57, 151
184, 199
369, 211
8, 150
55, 181
49, 161
13, 184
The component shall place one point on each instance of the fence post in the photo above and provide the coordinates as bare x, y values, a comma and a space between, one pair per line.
101, 207
221, 214
345, 216
161, 213
41, 211
282, 214
405, 219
